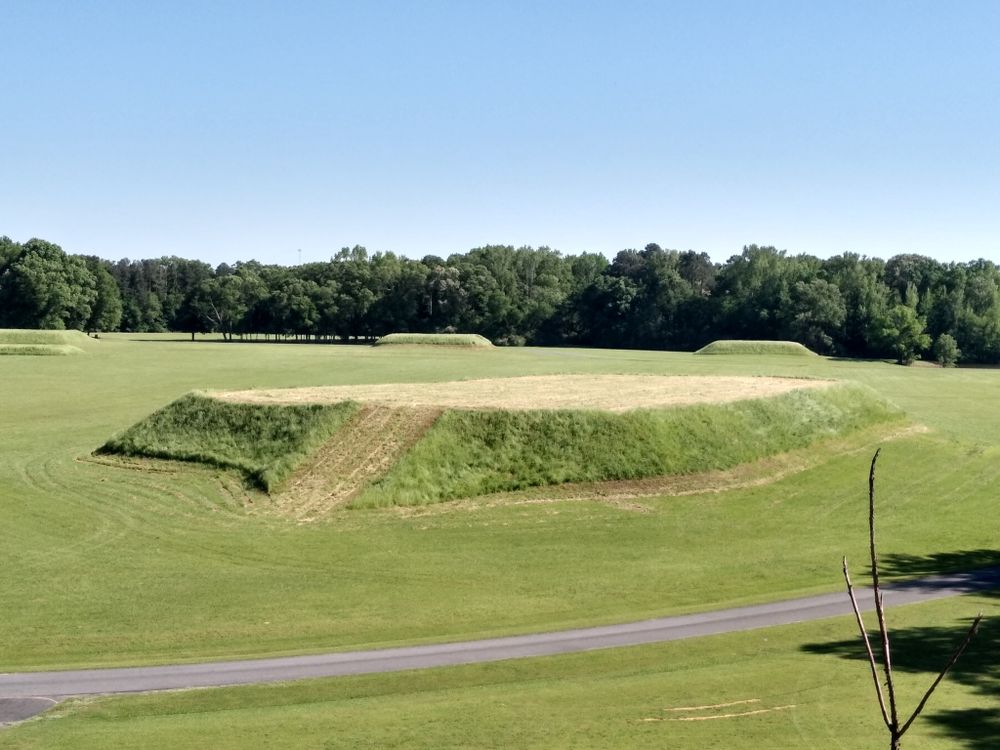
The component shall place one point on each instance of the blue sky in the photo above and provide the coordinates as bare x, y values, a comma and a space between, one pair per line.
240, 130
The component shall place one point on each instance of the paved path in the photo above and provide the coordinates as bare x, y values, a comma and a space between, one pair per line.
24, 694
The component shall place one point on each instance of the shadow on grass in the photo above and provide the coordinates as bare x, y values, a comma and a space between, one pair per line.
927, 649
897, 566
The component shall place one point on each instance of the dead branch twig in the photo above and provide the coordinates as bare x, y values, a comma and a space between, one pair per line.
889, 713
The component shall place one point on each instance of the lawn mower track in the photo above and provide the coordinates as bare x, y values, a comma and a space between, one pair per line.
363, 450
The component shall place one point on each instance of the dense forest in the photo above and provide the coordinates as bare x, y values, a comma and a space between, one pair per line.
908, 307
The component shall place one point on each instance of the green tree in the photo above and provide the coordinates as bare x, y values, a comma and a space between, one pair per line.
819, 314
106, 313
225, 301
42, 287
866, 300
355, 295
902, 332
946, 350
755, 291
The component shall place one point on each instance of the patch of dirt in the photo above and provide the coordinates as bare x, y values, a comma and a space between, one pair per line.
732, 716
713, 705
360, 452
711, 716
603, 392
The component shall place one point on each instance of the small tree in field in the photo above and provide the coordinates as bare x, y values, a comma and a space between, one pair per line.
890, 714
901, 331
946, 350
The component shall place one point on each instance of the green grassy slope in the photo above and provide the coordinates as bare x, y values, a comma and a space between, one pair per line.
32, 342
39, 350
264, 442
737, 346
182, 565
434, 339
469, 453
44, 337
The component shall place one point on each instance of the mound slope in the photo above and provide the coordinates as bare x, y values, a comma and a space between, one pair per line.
591, 392
37, 342
738, 346
435, 339
49, 350
32, 336
264, 443
468, 453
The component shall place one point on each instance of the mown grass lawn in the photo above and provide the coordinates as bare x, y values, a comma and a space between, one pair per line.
105, 565
788, 687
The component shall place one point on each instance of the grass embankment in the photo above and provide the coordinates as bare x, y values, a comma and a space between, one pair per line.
434, 339
183, 565
736, 346
39, 350
470, 453
32, 342
263, 442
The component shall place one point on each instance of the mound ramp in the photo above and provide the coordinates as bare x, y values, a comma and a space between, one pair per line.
359, 453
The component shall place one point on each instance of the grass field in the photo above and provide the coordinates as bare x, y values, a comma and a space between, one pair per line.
110, 565
788, 687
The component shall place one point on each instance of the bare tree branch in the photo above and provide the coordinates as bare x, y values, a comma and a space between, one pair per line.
868, 647
891, 717
951, 663
879, 608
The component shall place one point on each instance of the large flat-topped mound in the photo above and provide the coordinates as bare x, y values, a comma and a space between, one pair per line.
602, 392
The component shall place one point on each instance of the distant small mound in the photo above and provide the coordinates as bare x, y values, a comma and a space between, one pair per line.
735, 346
39, 350
38, 337
434, 339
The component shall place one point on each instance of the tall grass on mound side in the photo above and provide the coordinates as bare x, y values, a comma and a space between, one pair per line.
470, 453
31, 336
434, 339
734, 346
265, 442
39, 350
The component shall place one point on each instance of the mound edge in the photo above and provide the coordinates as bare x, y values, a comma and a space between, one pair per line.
740, 346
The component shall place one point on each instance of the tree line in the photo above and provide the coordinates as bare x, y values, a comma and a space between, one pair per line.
850, 305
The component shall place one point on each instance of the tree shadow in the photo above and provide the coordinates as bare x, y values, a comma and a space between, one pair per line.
898, 566
926, 649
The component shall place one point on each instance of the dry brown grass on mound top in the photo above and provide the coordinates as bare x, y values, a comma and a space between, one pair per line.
603, 392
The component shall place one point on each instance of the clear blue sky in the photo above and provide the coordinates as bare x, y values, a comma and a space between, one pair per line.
240, 130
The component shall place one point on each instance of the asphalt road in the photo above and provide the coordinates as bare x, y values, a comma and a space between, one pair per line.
27, 693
